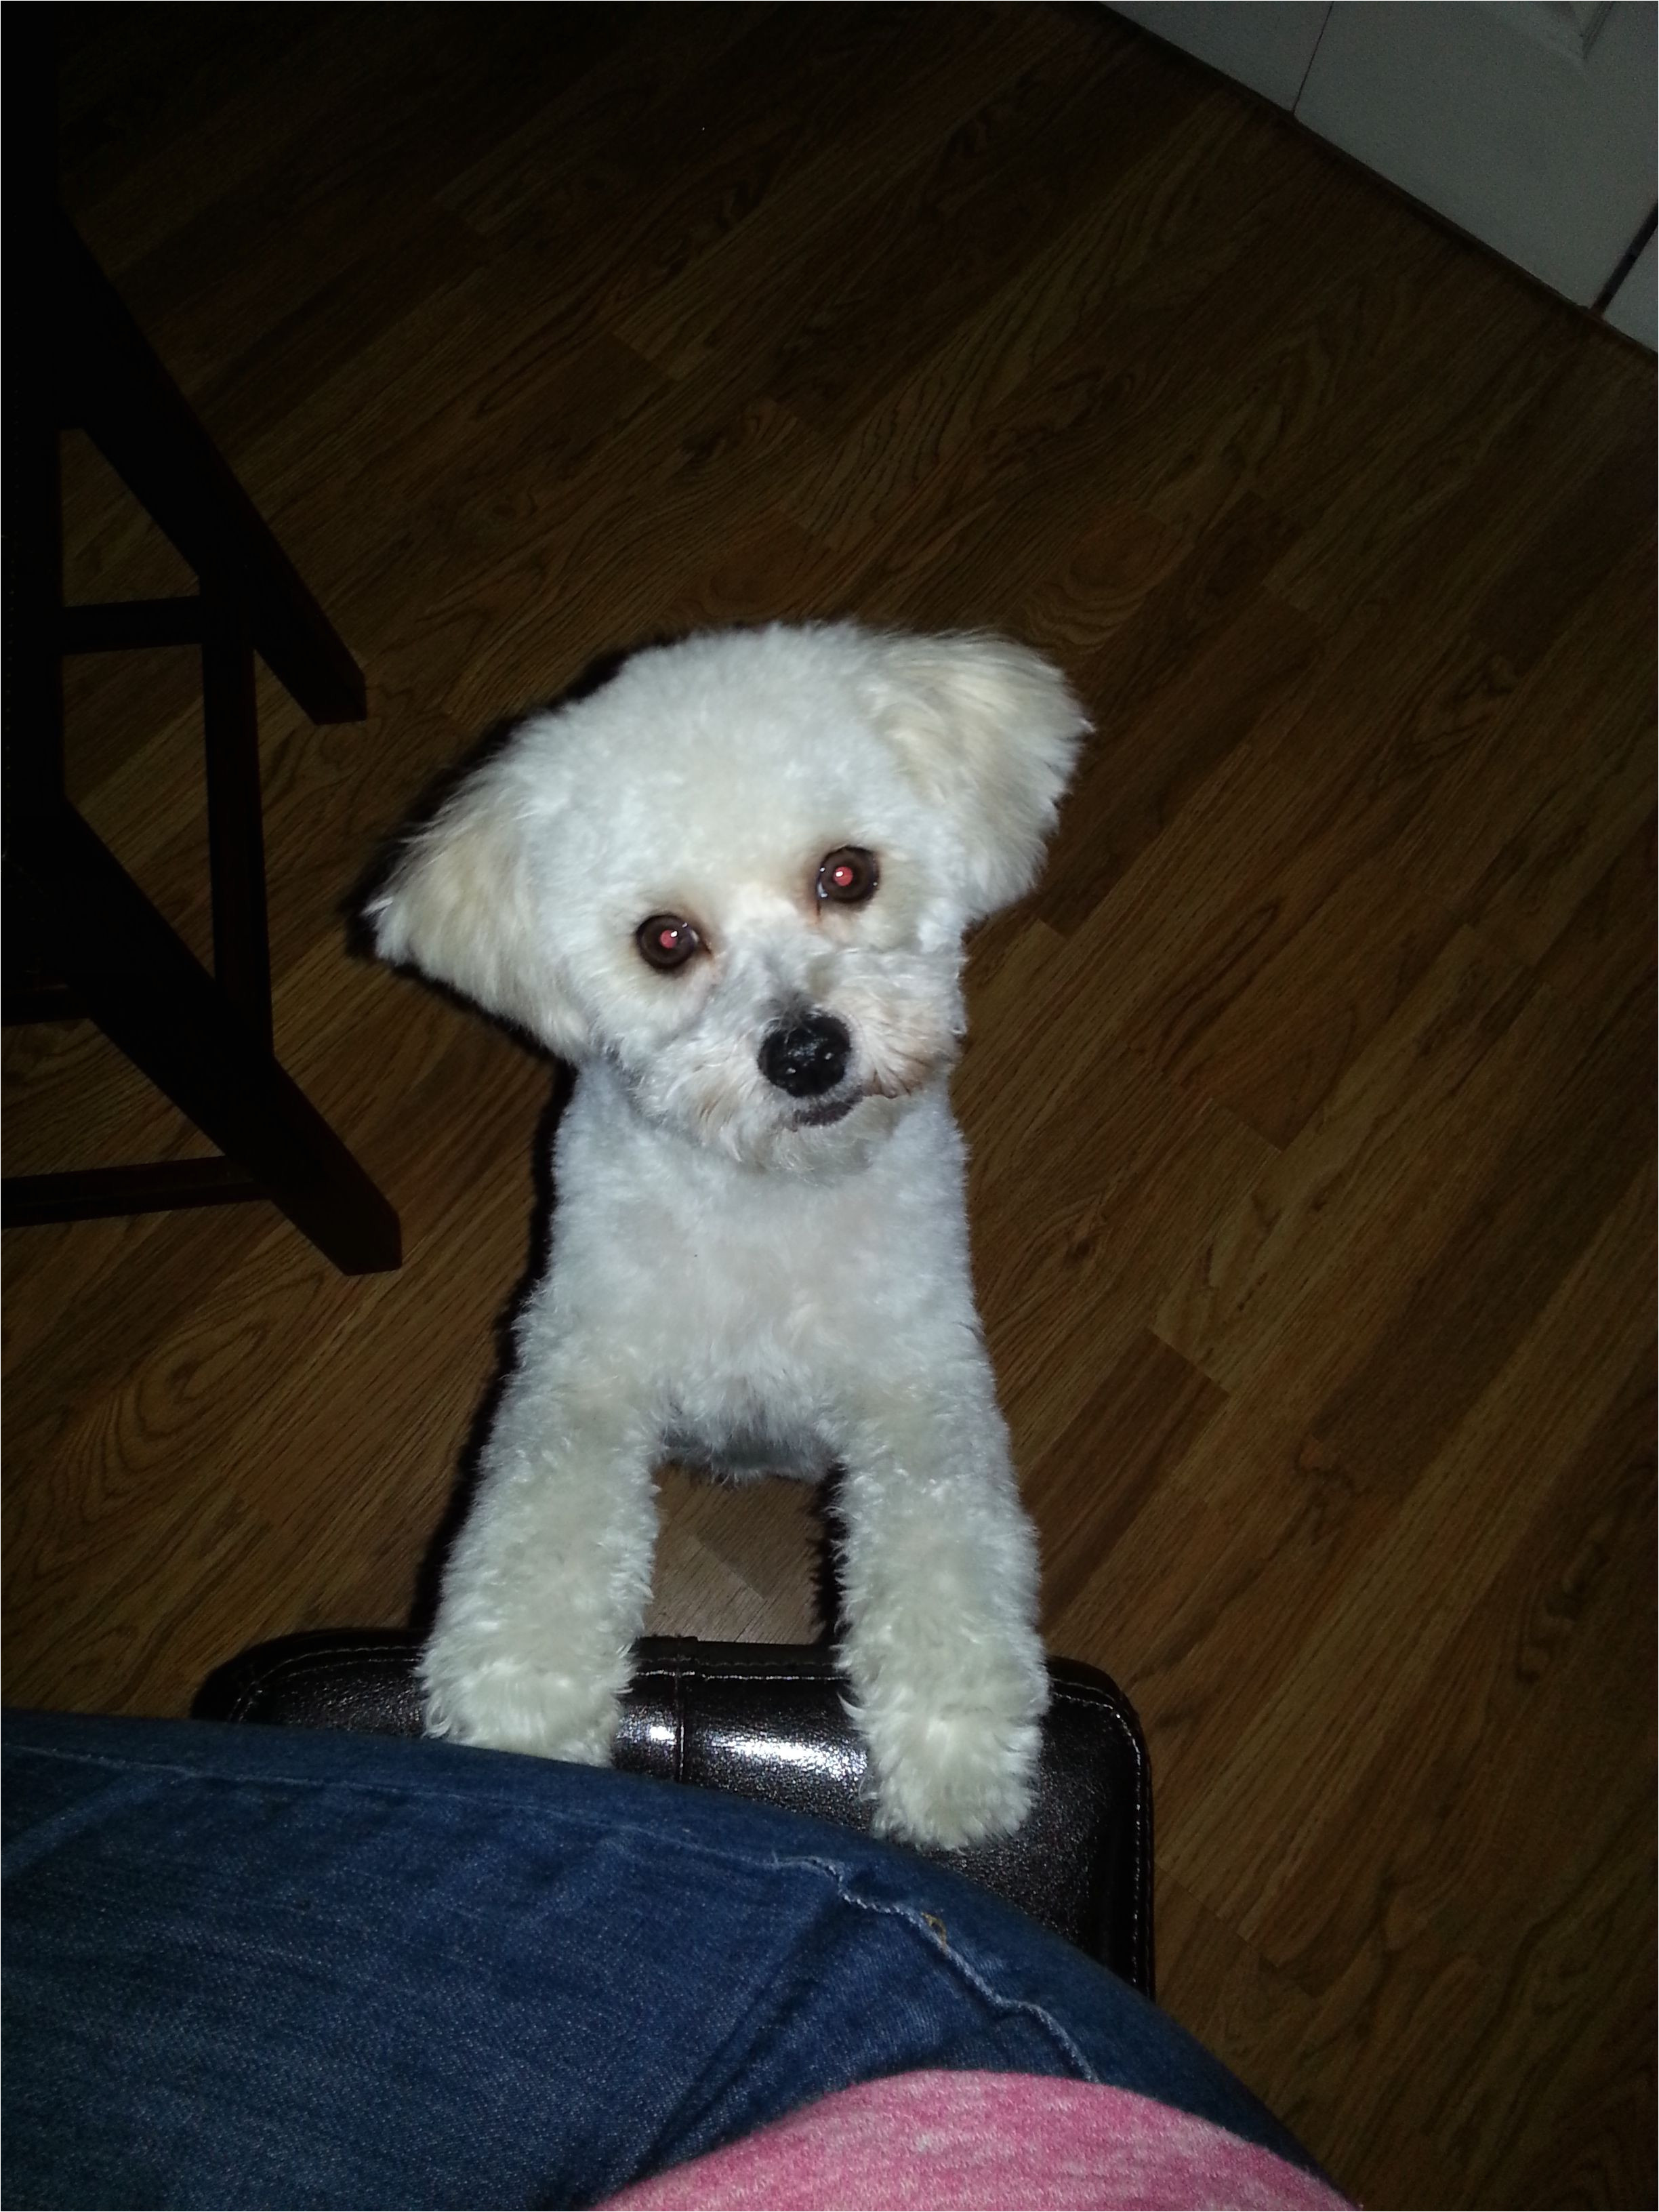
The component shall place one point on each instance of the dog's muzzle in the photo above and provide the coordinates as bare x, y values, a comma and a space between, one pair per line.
806, 1057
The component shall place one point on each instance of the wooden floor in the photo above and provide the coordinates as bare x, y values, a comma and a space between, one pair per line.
1311, 1095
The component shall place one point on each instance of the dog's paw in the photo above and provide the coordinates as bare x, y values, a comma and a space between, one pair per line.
511, 1704
950, 1777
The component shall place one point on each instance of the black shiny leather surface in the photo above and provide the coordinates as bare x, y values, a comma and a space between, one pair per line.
766, 1721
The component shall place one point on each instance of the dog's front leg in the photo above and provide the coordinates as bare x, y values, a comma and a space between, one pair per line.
547, 1585
939, 1591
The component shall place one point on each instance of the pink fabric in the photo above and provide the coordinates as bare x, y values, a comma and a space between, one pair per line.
940, 2140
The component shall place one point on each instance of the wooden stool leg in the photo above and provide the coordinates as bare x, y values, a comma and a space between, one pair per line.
149, 995
122, 396
82, 938
236, 843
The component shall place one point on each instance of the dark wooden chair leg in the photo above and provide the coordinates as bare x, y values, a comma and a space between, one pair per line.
96, 1194
148, 994
236, 837
82, 940
116, 389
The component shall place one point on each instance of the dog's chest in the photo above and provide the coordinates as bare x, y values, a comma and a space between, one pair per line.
770, 1285
770, 1324
772, 1260
755, 1311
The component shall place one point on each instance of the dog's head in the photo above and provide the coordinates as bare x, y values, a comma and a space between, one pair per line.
741, 872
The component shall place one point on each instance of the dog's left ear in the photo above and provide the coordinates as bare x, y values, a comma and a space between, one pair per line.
989, 732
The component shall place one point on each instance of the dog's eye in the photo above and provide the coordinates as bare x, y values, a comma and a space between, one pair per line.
848, 875
666, 941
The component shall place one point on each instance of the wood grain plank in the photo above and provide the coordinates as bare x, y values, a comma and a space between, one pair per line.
1527, 426
1456, 1529
951, 239
1468, 1987
1149, 756
1220, 1627
756, 283
1094, 1231
1329, 986
1426, 1796
1234, 2001
1278, 1245
1084, 327
1563, 1171
1088, 1485
737, 1561
407, 104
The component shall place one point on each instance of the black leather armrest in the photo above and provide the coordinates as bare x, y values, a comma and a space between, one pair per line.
766, 1721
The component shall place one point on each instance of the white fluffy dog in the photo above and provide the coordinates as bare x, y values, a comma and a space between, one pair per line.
732, 887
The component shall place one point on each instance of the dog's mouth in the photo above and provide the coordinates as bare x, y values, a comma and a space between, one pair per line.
832, 1109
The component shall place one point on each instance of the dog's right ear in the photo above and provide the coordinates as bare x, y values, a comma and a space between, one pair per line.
464, 904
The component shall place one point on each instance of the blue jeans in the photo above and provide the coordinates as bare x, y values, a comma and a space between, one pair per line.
254, 1966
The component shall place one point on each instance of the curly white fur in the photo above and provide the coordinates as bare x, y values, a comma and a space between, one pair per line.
735, 1274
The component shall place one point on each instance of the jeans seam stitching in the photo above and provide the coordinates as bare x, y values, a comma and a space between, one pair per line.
917, 1922
182, 1770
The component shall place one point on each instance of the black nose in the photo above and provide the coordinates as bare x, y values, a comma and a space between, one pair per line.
806, 1058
